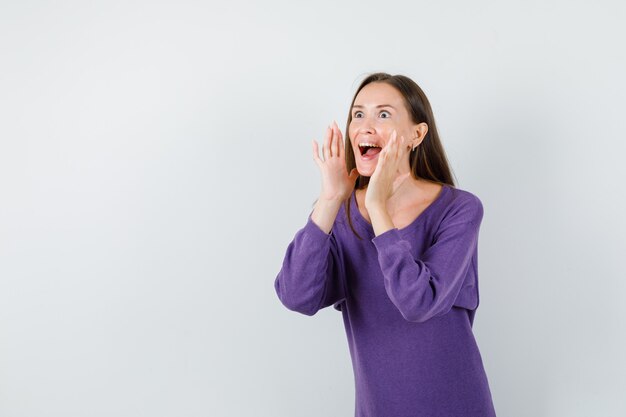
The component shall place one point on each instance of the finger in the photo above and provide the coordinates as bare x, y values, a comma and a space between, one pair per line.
336, 139
393, 143
381, 166
389, 143
316, 154
383, 154
341, 143
406, 147
354, 174
392, 139
396, 146
333, 140
326, 147
400, 147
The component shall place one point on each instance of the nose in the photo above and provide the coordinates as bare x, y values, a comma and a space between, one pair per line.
366, 126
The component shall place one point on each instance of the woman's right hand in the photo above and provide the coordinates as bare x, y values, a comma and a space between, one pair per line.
337, 185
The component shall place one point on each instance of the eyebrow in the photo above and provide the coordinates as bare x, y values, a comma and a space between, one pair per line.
356, 106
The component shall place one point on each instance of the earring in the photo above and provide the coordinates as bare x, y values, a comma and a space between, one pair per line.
415, 145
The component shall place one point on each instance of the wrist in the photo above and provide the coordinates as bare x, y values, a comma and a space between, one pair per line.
329, 202
381, 220
376, 206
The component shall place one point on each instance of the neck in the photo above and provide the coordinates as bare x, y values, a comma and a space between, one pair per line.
407, 191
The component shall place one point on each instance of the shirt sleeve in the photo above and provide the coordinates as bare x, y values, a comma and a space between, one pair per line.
428, 287
311, 275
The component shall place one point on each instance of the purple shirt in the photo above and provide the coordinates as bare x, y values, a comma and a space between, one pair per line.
408, 298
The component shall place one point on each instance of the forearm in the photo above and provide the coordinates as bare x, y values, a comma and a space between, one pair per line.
325, 213
310, 277
381, 220
427, 284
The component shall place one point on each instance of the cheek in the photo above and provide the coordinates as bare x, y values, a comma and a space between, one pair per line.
351, 132
401, 131
352, 126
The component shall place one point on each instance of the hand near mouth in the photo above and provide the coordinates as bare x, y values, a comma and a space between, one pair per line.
386, 177
337, 183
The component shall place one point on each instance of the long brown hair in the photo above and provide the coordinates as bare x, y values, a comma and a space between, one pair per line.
428, 160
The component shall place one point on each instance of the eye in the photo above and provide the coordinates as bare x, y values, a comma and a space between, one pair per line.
358, 114
385, 114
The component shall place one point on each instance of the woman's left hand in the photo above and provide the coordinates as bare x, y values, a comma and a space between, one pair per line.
386, 177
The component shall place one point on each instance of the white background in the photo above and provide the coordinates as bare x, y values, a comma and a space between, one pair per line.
156, 161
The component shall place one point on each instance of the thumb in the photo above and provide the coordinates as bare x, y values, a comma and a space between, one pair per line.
354, 174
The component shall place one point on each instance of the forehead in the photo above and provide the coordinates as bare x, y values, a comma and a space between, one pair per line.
378, 93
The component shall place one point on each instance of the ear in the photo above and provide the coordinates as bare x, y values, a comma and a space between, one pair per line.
419, 133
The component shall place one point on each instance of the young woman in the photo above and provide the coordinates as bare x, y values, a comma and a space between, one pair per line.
393, 244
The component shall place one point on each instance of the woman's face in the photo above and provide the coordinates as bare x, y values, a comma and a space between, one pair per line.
379, 109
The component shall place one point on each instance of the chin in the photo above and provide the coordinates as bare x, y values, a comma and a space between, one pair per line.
365, 172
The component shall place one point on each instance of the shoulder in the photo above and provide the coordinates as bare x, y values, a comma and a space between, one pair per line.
463, 206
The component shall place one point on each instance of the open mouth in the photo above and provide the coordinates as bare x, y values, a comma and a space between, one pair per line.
369, 150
